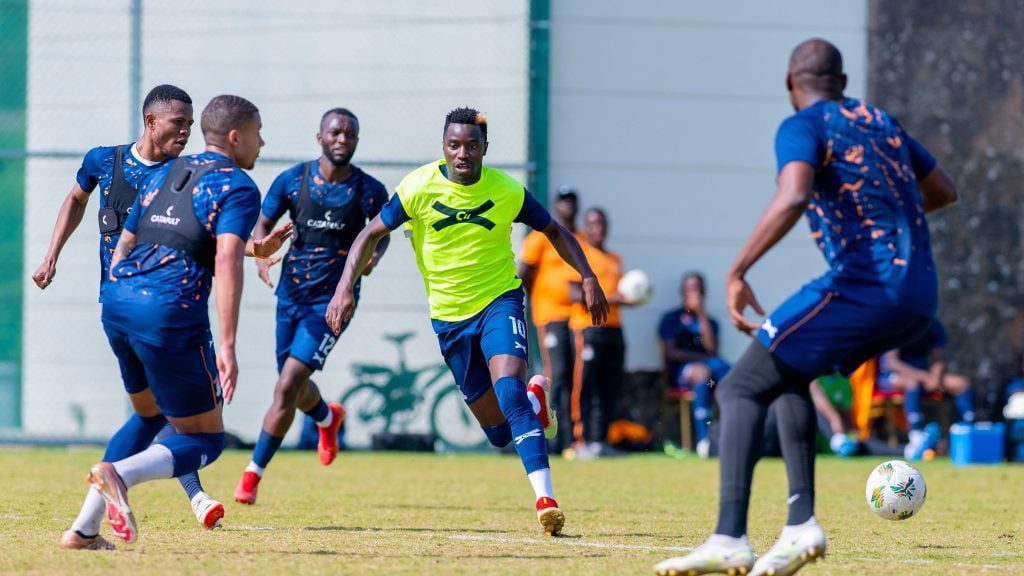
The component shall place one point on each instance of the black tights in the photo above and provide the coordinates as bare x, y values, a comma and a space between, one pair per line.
743, 397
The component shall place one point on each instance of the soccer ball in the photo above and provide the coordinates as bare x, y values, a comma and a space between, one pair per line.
635, 287
895, 490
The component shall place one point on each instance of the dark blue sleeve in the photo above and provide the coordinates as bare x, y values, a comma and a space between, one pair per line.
374, 196
798, 140
92, 167
393, 213
939, 339
239, 207
532, 213
666, 328
921, 160
276, 202
131, 224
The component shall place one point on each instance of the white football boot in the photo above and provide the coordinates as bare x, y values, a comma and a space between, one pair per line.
718, 555
796, 547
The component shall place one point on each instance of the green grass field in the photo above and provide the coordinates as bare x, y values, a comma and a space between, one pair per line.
472, 514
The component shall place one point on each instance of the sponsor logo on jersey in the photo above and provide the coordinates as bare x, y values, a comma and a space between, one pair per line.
165, 218
462, 216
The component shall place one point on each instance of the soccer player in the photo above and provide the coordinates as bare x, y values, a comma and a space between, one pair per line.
329, 201
917, 368
865, 186
117, 171
689, 349
191, 220
546, 278
459, 216
599, 366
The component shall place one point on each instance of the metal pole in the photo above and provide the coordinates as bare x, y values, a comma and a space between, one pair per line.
135, 69
537, 128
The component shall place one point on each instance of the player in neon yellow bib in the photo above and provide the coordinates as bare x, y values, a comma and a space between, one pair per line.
459, 216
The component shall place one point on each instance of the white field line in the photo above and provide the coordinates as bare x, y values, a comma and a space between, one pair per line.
602, 545
16, 517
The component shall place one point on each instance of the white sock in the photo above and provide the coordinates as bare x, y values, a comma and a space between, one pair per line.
541, 482
789, 531
253, 467
91, 515
728, 542
151, 464
326, 421
200, 496
534, 402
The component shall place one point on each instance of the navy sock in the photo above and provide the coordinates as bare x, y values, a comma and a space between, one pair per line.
912, 408
318, 412
193, 451
266, 446
499, 435
133, 437
190, 482
701, 410
964, 402
526, 430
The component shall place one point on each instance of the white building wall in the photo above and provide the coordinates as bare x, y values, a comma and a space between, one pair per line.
664, 113
399, 65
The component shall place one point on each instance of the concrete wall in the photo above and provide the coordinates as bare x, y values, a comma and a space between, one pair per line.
664, 113
399, 65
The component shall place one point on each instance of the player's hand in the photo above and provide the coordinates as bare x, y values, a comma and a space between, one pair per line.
266, 246
43, 275
263, 269
738, 297
341, 309
228, 369
594, 301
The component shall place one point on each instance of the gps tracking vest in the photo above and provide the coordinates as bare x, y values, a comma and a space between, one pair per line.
330, 226
119, 202
170, 219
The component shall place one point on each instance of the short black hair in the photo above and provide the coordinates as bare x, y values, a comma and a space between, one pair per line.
817, 64
466, 115
225, 113
339, 111
165, 93
698, 276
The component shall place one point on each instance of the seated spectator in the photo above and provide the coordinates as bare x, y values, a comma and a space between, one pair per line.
920, 368
689, 348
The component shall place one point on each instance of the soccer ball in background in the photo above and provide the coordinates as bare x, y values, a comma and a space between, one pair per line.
635, 287
895, 490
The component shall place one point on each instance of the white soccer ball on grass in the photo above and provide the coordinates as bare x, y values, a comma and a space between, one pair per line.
895, 490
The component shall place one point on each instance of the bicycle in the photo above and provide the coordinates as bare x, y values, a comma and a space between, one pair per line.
390, 400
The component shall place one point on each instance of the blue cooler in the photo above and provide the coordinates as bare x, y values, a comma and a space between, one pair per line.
981, 443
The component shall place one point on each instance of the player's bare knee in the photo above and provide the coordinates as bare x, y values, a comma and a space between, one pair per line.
144, 403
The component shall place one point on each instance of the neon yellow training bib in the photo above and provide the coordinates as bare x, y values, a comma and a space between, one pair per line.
462, 237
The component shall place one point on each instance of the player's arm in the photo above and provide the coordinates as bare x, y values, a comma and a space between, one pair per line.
675, 354
378, 253
527, 274
343, 303
936, 185
72, 209
228, 284
708, 333
905, 371
569, 250
124, 247
824, 407
791, 196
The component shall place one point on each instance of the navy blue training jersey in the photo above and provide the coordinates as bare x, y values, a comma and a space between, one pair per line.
97, 171
683, 328
310, 272
865, 212
160, 294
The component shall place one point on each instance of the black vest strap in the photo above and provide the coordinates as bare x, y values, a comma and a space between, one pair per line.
333, 227
119, 202
170, 219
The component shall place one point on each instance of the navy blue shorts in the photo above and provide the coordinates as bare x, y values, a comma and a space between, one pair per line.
303, 334
184, 380
469, 345
825, 328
